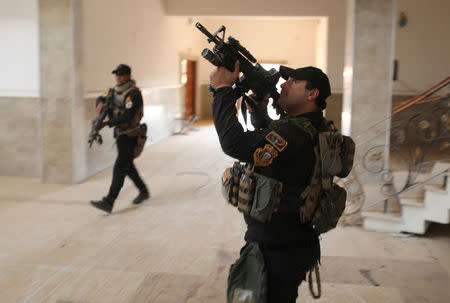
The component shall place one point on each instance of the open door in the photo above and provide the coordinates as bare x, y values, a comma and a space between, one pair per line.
191, 70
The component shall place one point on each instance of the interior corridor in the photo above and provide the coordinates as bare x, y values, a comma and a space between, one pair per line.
178, 246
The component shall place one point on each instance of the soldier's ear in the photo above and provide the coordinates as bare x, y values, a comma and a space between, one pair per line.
313, 94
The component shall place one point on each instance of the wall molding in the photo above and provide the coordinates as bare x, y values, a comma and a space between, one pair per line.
144, 90
25, 93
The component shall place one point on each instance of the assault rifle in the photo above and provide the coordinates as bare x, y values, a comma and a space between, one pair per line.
255, 78
94, 135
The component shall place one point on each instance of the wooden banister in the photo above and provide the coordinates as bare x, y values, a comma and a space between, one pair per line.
421, 98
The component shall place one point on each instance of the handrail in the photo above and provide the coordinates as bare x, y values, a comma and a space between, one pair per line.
431, 99
421, 96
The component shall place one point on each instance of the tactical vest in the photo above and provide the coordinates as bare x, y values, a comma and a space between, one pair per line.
132, 127
259, 196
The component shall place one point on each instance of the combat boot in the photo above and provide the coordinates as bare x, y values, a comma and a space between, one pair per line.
104, 204
144, 195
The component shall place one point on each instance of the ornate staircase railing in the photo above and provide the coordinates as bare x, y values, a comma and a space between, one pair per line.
419, 137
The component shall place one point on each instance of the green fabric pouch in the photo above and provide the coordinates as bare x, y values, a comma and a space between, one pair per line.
267, 198
227, 182
247, 280
230, 183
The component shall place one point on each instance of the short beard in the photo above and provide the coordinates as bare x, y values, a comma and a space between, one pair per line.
289, 107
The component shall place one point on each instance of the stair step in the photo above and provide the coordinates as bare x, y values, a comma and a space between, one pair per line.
440, 167
439, 189
383, 216
384, 222
421, 204
417, 202
419, 227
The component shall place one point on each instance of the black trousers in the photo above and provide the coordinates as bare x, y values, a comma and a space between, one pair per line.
287, 268
124, 167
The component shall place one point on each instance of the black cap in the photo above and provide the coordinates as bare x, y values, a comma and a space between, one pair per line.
122, 70
312, 74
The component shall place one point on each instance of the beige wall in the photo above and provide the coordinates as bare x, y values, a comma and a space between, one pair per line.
290, 41
322, 44
138, 34
153, 44
423, 45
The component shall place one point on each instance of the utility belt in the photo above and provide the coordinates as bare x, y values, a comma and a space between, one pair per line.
252, 193
130, 132
140, 132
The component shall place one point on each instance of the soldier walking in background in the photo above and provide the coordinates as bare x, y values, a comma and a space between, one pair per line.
125, 113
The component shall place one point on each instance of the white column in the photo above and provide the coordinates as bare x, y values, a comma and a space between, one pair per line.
367, 99
62, 110
368, 73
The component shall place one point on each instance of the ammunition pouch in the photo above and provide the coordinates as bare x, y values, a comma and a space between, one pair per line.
253, 194
246, 192
227, 184
230, 183
266, 199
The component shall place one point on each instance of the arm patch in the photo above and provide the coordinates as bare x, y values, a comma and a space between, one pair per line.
264, 156
128, 103
276, 140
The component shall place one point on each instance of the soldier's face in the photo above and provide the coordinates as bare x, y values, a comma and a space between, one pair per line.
121, 79
293, 94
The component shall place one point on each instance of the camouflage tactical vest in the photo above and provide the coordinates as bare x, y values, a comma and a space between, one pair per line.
334, 152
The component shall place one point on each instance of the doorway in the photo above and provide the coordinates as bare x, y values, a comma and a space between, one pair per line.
188, 77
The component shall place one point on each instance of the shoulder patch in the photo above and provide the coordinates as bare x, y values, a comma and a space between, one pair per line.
105, 94
264, 156
128, 103
276, 140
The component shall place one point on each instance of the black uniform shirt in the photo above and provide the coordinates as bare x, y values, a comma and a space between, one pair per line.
283, 152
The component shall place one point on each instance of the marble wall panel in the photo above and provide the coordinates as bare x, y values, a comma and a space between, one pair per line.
19, 140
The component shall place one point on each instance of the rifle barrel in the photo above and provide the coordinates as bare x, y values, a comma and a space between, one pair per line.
211, 38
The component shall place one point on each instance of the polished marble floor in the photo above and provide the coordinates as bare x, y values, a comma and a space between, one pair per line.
177, 247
